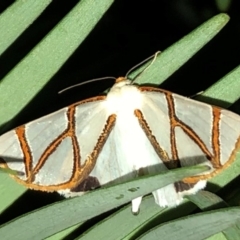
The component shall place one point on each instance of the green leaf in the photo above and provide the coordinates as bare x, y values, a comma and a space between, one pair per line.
121, 225
199, 226
206, 200
224, 92
233, 232
17, 18
171, 59
53, 218
209, 201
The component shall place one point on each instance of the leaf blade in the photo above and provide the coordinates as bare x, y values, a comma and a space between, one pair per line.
198, 226
171, 59
17, 18
55, 217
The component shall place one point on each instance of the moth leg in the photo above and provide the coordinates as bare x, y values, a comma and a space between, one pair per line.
136, 205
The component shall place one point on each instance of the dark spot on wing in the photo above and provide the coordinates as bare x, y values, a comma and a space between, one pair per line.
88, 184
182, 186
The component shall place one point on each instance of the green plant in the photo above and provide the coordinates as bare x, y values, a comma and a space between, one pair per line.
41, 64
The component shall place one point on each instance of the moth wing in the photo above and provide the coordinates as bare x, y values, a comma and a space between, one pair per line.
59, 150
128, 153
124, 156
186, 132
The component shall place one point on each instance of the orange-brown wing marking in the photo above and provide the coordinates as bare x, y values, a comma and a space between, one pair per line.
215, 138
30, 173
189, 131
80, 172
215, 134
159, 150
20, 131
69, 132
217, 151
83, 171
173, 123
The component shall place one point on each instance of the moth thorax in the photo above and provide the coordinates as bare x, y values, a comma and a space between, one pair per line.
122, 99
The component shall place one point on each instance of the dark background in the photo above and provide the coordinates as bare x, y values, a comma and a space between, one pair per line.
129, 32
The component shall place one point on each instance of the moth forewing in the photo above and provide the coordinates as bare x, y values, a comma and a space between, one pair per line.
210, 134
52, 155
131, 132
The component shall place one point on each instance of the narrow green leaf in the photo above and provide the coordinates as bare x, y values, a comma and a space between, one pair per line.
55, 217
233, 232
180, 52
17, 18
227, 89
207, 200
121, 225
196, 227
217, 236
63, 234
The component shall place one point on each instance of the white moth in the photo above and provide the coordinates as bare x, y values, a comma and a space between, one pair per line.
130, 132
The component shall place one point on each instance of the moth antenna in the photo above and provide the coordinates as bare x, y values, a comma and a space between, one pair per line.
85, 82
196, 94
141, 63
